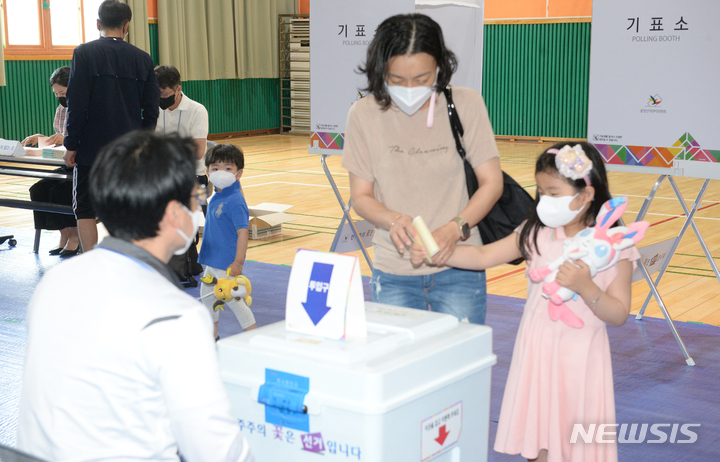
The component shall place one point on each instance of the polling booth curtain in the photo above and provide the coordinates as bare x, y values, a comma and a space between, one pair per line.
208, 39
256, 36
139, 33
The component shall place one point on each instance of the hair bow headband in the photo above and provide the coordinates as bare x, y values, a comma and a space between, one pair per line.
572, 162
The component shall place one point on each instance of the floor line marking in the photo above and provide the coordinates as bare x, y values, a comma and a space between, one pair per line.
683, 215
690, 268
296, 184
695, 256
281, 241
506, 274
287, 172
631, 195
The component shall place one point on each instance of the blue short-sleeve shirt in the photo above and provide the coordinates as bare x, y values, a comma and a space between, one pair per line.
227, 212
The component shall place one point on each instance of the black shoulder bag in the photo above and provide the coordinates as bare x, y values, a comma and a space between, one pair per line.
510, 210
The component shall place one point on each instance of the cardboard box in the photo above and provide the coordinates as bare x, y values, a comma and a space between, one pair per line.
266, 220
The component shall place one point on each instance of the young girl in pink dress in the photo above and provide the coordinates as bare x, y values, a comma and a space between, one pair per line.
559, 375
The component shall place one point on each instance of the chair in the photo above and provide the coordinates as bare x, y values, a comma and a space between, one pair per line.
10, 238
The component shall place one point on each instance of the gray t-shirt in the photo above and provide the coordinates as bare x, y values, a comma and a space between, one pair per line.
416, 170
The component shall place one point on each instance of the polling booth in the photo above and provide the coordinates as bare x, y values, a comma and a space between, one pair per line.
649, 114
352, 380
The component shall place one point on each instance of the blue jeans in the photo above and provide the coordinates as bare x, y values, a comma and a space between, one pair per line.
461, 293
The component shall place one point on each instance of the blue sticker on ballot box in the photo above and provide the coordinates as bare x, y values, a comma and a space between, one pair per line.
283, 395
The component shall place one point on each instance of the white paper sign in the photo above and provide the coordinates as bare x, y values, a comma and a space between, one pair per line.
11, 148
653, 256
346, 240
325, 296
441, 431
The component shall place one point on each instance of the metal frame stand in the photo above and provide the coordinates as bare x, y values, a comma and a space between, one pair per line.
689, 221
346, 213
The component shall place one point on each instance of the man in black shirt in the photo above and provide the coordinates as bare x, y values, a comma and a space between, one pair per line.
112, 90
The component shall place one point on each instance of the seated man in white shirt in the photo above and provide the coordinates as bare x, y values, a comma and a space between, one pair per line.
179, 114
122, 366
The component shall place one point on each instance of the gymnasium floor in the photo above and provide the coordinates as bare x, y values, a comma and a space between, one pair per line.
652, 382
279, 169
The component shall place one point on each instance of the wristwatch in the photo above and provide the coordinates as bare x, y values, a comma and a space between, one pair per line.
464, 227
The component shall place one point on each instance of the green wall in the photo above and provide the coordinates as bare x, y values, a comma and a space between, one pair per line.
535, 83
154, 44
237, 105
27, 104
535, 79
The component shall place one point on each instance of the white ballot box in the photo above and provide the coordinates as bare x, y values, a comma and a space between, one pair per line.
416, 389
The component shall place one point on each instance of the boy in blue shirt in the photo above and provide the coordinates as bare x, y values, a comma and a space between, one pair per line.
225, 237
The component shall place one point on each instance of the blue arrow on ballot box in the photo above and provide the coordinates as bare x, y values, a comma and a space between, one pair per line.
316, 304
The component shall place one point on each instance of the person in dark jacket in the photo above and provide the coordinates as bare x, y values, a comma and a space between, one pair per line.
112, 91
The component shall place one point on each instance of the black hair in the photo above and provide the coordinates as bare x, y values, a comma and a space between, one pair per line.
225, 153
60, 76
167, 76
598, 180
136, 176
114, 14
405, 34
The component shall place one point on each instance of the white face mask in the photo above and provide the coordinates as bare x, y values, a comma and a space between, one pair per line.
196, 218
555, 212
222, 179
409, 99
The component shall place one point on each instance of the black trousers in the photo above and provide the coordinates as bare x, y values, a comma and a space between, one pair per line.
56, 192
203, 180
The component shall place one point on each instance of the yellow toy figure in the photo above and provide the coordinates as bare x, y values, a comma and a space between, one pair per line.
227, 289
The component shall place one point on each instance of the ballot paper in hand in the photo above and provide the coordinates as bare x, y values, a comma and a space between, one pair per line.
426, 238
43, 142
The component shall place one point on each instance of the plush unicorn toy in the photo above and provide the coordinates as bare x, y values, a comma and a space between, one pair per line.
599, 247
